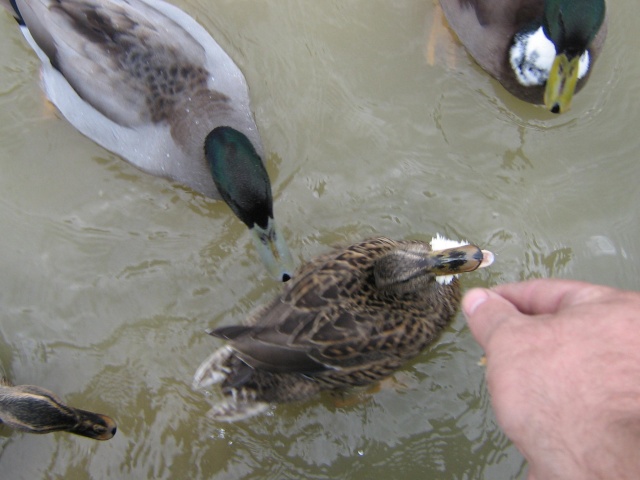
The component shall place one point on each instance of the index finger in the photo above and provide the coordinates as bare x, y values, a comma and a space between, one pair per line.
545, 296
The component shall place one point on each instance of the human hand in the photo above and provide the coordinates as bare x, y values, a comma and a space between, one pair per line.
563, 371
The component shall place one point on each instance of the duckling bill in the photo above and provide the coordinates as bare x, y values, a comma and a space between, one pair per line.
541, 51
348, 318
144, 80
33, 409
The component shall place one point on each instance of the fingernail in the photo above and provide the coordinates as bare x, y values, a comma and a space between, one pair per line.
473, 299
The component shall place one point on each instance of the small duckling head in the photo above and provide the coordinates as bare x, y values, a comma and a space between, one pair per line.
412, 268
243, 183
93, 425
33, 409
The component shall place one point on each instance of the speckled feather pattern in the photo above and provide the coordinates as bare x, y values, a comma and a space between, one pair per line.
337, 328
142, 79
154, 72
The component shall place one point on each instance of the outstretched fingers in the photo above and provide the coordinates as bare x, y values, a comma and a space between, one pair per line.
547, 296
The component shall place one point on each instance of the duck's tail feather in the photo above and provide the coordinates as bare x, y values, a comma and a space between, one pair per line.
213, 370
240, 405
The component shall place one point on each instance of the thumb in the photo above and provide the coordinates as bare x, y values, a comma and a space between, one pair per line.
485, 310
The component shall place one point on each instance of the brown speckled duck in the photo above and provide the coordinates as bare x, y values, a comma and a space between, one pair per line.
349, 318
541, 51
36, 410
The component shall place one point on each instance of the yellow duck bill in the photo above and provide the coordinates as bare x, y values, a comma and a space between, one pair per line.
561, 84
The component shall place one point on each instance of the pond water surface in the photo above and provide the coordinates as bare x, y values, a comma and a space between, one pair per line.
110, 277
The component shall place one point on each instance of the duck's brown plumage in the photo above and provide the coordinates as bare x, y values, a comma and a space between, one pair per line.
333, 326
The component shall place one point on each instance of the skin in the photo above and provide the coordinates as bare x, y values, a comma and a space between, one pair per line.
563, 371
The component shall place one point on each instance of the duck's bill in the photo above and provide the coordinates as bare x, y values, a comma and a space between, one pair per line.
273, 251
465, 258
94, 425
561, 84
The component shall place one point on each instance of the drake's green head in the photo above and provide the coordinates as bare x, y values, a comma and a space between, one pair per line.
571, 25
239, 175
243, 183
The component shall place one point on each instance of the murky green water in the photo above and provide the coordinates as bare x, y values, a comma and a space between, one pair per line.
110, 277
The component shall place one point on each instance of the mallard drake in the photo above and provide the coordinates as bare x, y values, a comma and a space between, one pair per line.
542, 51
349, 318
147, 82
36, 410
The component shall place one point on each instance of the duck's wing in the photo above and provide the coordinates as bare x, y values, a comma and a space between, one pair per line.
321, 322
486, 27
304, 342
141, 78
